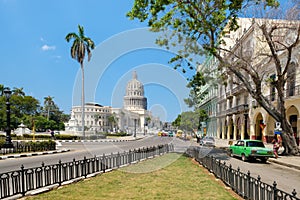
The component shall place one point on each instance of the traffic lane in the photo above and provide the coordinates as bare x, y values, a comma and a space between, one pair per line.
78, 151
287, 179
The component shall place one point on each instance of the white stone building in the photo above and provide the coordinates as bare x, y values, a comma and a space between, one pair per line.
133, 117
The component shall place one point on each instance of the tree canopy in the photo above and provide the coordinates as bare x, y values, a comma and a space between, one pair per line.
207, 22
27, 110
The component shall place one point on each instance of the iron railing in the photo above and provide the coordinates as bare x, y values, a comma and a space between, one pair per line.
21, 181
243, 184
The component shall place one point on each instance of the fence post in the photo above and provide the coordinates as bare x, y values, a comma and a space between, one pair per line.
103, 163
212, 165
275, 190
248, 186
294, 193
219, 168
118, 159
129, 157
23, 180
230, 175
84, 167
59, 172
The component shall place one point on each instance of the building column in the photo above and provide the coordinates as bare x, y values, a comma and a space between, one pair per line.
234, 127
234, 101
252, 131
243, 131
223, 131
218, 129
228, 127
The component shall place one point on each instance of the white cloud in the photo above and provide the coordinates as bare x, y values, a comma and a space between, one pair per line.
48, 48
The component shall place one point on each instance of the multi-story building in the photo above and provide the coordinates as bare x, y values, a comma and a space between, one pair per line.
238, 114
208, 102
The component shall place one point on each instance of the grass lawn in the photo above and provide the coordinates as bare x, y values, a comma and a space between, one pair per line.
181, 179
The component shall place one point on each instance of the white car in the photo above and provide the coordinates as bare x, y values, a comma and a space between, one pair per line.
208, 141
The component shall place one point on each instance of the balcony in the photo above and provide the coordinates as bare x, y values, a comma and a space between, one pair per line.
244, 108
289, 93
238, 109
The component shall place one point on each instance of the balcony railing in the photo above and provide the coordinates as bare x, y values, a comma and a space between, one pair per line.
234, 110
289, 93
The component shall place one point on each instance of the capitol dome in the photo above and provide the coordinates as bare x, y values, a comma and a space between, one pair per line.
134, 87
134, 98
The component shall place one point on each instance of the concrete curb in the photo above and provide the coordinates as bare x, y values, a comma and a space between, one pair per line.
284, 164
33, 154
102, 140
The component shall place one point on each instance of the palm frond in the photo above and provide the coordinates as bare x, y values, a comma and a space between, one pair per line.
71, 36
81, 31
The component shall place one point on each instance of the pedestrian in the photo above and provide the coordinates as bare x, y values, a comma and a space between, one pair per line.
52, 134
198, 138
276, 146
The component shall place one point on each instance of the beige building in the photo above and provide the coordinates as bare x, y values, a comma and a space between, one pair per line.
238, 115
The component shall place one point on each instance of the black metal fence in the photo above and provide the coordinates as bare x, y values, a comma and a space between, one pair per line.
243, 184
24, 180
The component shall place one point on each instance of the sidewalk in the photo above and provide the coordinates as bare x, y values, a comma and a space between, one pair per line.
288, 161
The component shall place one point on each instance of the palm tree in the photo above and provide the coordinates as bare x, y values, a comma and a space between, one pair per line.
1, 89
48, 103
81, 45
18, 91
112, 120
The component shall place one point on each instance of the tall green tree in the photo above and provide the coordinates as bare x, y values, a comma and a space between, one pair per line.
81, 45
18, 91
48, 104
1, 89
206, 22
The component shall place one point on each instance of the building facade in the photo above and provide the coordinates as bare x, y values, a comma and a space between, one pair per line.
238, 115
133, 117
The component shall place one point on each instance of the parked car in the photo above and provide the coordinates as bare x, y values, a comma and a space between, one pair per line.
164, 133
179, 134
208, 141
159, 133
251, 149
171, 134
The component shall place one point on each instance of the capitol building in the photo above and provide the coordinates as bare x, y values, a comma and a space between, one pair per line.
134, 115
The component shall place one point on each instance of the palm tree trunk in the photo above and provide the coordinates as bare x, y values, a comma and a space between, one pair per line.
82, 99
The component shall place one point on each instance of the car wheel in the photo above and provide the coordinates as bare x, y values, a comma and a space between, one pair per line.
230, 153
264, 160
244, 158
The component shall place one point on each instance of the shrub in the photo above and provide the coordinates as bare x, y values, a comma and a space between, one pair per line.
121, 134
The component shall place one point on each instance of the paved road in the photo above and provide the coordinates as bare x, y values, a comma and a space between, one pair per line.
287, 179
88, 149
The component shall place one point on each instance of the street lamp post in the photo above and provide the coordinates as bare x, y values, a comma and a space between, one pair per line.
135, 127
8, 143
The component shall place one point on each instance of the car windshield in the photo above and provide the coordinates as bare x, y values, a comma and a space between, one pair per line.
255, 144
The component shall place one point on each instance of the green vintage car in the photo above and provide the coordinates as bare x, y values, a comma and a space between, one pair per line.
251, 149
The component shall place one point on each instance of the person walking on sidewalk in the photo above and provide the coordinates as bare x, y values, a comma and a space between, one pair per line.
276, 146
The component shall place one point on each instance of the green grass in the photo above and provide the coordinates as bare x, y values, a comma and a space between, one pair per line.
180, 178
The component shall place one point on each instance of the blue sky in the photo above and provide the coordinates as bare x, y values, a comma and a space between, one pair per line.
35, 55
